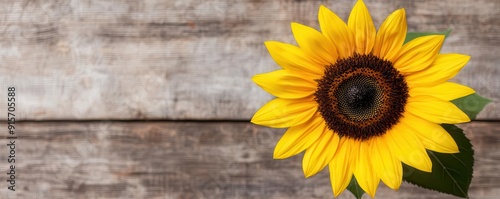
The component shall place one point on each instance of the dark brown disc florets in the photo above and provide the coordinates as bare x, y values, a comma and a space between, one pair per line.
361, 96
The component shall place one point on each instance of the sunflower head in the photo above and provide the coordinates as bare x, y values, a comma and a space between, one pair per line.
362, 101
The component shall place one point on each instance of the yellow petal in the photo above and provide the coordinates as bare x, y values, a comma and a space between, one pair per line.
282, 113
336, 31
361, 24
408, 148
432, 135
291, 57
418, 54
286, 84
365, 175
387, 166
446, 91
314, 44
443, 68
342, 165
391, 36
298, 138
435, 110
319, 154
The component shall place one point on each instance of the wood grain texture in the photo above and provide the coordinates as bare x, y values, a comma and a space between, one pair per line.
192, 160
192, 59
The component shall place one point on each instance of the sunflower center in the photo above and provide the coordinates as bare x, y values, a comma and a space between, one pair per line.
361, 96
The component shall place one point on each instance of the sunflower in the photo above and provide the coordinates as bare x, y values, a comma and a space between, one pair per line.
360, 101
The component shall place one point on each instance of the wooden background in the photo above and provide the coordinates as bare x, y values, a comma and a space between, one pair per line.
151, 99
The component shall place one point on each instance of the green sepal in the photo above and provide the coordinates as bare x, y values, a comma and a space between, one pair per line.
471, 104
451, 173
412, 35
354, 188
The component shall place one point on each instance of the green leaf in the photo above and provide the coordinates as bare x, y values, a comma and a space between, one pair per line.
412, 35
471, 104
354, 188
451, 173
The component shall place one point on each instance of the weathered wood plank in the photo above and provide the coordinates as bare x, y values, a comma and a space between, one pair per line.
193, 59
191, 160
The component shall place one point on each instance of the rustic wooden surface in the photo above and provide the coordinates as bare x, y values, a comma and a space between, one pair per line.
193, 59
78, 62
166, 160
